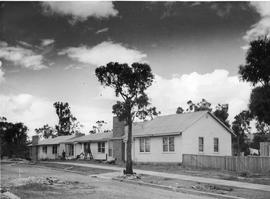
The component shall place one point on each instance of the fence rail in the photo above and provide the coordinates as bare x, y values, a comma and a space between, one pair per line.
255, 164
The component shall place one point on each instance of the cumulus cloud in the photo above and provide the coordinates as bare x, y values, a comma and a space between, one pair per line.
262, 27
216, 87
46, 42
80, 11
2, 78
33, 111
21, 56
103, 53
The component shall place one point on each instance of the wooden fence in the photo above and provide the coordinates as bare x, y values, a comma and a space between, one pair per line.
254, 164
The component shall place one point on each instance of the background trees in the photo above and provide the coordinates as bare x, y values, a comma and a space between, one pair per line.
46, 131
67, 123
13, 138
257, 71
129, 83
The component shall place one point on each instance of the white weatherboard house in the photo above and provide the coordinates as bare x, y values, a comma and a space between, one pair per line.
50, 148
98, 145
161, 140
167, 138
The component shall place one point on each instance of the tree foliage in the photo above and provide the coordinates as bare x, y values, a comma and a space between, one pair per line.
257, 67
99, 127
241, 127
129, 83
46, 132
13, 138
221, 110
259, 103
179, 110
67, 122
257, 71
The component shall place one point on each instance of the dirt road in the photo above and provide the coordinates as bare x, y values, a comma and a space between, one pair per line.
79, 186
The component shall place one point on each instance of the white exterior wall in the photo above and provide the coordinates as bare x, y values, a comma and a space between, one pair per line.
156, 153
97, 155
208, 128
49, 154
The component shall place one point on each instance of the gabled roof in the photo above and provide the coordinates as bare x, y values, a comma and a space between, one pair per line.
170, 124
91, 138
56, 140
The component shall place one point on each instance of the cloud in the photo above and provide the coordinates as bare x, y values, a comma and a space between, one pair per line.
221, 9
2, 78
46, 42
262, 27
33, 111
80, 11
103, 53
102, 30
216, 87
22, 56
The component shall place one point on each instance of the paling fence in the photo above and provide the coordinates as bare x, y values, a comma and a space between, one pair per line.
255, 164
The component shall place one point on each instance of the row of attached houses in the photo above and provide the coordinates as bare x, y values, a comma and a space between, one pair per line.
163, 139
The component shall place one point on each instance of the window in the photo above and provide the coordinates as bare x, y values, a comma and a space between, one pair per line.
101, 147
144, 144
201, 144
70, 149
44, 149
216, 145
54, 149
168, 144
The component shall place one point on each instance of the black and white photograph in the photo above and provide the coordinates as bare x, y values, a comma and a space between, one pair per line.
135, 99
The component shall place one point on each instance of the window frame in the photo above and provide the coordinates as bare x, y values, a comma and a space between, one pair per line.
54, 149
145, 145
168, 144
44, 149
201, 144
216, 145
101, 147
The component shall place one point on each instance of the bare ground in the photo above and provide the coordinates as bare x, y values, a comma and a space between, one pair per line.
257, 178
74, 185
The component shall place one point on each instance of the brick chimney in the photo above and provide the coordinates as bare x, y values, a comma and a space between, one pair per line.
118, 127
35, 140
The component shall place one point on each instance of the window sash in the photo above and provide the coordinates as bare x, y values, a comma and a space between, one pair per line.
165, 144
101, 147
216, 144
168, 144
44, 149
145, 145
171, 143
141, 144
201, 144
54, 149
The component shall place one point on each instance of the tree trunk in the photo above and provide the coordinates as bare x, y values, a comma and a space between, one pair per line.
129, 169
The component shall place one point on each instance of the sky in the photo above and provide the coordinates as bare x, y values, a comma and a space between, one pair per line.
49, 52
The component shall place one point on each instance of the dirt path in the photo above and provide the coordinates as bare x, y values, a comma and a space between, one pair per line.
180, 177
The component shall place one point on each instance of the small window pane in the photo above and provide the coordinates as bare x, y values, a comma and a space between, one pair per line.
201, 144
147, 144
216, 145
141, 144
171, 143
165, 144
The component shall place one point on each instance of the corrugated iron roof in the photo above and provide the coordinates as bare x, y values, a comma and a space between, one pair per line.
91, 137
168, 124
56, 140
